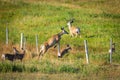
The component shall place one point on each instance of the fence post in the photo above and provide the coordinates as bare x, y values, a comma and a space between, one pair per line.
21, 42
110, 51
37, 44
6, 36
86, 51
24, 43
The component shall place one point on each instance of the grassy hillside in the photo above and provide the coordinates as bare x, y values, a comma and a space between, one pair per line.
99, 20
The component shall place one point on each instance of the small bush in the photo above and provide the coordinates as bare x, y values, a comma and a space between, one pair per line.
68, 69
33, 69
18, 68
47, 67
5, 67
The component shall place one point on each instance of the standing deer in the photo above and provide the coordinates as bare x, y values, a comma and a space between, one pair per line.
55, 39
15, 50
8, 56
73, 30
16, 55
21, 55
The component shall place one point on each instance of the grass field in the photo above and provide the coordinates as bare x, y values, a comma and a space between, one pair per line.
99, 20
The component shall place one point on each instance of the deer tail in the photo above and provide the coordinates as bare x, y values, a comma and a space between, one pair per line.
3, 57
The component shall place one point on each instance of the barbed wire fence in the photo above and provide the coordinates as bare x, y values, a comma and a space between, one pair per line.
23, 45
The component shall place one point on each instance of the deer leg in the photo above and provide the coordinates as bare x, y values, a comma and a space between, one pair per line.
76, 34
79, 35
71, 34
55, 46
14, 59
59, 55
41, 50
3, 57
39, 54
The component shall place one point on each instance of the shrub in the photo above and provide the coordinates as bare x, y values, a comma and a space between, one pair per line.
18, 68
47, 67
33, 69
5, 67
68, 69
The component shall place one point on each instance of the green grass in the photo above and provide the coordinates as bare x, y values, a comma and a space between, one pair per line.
37, 18
55, 69
99, 20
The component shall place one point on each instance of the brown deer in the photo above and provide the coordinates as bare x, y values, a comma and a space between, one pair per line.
64, 51
74, 31
15, 51
19, 55
8, 56
55, 39
16, 55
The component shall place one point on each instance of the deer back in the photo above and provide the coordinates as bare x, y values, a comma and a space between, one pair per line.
64, 51
74, 29
8, 56
53, 40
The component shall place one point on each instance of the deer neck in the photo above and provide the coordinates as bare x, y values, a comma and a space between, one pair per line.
47, 46
60, 34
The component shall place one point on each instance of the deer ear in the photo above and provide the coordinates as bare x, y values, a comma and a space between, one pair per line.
22, 49
62, 28
68, 45
14, 47
72, 20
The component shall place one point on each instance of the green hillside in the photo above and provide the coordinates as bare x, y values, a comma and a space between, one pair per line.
99, 21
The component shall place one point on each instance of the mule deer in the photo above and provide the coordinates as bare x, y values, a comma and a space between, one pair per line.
15, 50
64, 51
8, 56
15, 56
55, 39
73, 30
20, 56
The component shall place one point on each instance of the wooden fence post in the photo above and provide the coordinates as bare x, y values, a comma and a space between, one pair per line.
37, 44
6, 36
110, 51
21, 42
24, 43
86, 51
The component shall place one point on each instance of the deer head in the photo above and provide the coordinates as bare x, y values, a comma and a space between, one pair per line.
68, 46
64, 31
70, 22
74, 30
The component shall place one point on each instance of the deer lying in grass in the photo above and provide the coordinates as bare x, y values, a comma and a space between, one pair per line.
15, 56
73, 30
64, 51
55, 39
